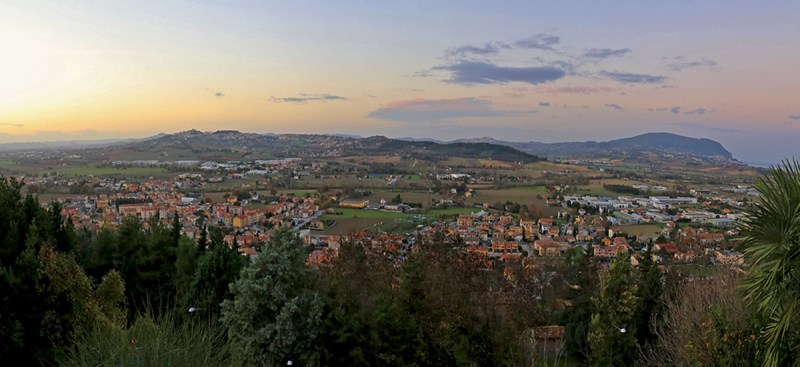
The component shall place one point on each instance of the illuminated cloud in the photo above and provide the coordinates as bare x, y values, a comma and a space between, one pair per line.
307, 98
684, 65
476, 72
603, 53
538, 41
577, 90
21, 125
434, 110
615, 106
633, 78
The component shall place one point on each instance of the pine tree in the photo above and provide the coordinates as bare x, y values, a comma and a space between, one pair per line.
275, 315
612, 335
187, 258
210, 285
649, 291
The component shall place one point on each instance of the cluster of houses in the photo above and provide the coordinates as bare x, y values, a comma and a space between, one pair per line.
159, 199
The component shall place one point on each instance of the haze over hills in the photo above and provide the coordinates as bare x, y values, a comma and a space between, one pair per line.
314, 144
71, 144
650, 142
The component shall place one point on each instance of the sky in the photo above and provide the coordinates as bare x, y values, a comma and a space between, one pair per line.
512, 70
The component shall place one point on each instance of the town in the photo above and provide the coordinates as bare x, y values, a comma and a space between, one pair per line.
682, 229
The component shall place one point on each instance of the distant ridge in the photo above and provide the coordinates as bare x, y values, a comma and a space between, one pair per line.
72, 144
651, 142
658, 142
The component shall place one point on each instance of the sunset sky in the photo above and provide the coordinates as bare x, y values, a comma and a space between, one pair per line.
512, 70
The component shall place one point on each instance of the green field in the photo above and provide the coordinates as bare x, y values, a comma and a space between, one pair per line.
358, 213
8, 164
453, 211
132, 171
539, 189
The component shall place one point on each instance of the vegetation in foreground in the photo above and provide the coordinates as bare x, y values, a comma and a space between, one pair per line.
121, 298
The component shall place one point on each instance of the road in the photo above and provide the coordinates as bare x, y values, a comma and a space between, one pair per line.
305, 221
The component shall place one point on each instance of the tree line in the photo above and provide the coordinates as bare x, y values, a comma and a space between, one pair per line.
143, 294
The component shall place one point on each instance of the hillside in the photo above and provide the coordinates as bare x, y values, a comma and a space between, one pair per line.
429, 150
229, 144
651, 142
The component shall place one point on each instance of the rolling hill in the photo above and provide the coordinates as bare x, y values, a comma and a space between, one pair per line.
651, 142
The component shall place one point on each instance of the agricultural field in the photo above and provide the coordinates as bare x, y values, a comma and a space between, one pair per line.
639, 230
109, 171
346, 225
520, 196
595, 188
161, 154
558, 167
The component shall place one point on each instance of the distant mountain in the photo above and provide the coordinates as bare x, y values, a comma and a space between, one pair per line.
651, 142
346, 136
408, 138
286, 145
230, 144
430, 150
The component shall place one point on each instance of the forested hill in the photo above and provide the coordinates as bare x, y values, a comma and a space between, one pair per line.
301, 145
650, 142
429, 150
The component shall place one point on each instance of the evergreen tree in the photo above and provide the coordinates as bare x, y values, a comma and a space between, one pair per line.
111, 300
202, 243
215, 272
128, 257
275, 315
583, 281
649, 292
101, 254
157, 264
187, 257
612, 334
175, 231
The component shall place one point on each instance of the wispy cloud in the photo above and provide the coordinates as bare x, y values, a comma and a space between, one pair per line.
539, 41
603, 53
675, 110
699, 111
307, 98
435, 110
794, 117
487, 49
684, 65
421, 74
476, 72
544, 104
705, 127
219, 94
20, 125
614, 105
633, 78
577, 90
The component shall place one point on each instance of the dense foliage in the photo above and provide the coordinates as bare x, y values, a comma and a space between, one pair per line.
122, 296
773, 249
